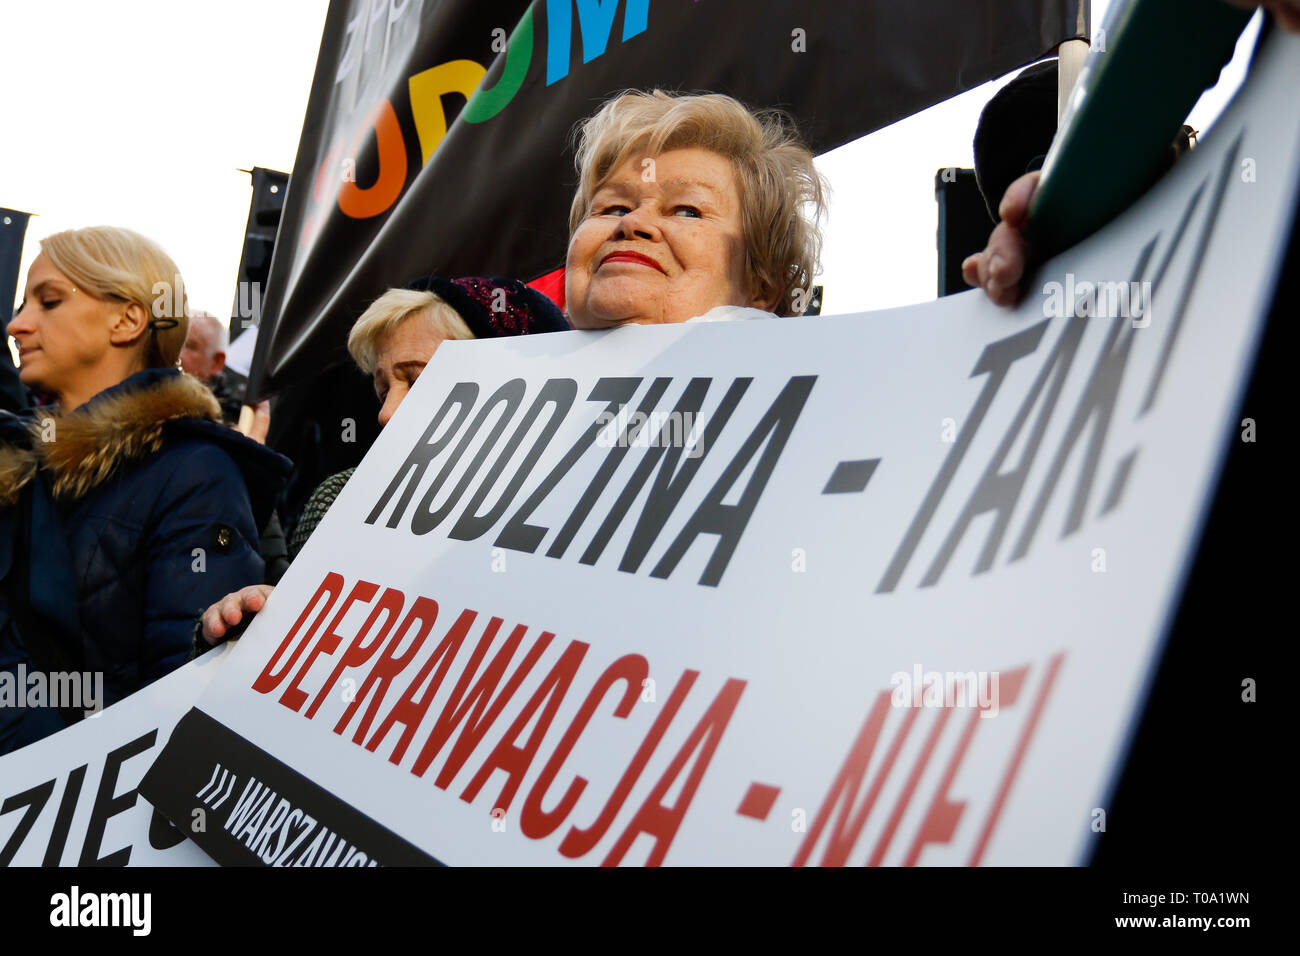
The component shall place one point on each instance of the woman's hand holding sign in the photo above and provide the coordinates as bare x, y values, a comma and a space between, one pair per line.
1002, 264
231, 610
1000, 267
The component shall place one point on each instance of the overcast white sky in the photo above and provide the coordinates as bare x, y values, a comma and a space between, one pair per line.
141, 113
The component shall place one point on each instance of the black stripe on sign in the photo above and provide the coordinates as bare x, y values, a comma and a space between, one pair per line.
257, 811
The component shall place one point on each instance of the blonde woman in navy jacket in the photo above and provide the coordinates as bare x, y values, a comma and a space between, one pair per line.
126, 506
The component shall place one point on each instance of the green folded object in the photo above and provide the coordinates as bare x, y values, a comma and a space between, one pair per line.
1126, 109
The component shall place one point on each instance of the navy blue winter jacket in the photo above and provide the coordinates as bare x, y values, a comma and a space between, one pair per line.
137, 510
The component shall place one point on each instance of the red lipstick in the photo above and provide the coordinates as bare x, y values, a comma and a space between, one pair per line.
626, 255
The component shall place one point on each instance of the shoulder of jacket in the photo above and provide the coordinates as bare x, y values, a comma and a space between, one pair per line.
81, 449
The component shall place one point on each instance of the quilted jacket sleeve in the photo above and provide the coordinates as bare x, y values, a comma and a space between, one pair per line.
203, 545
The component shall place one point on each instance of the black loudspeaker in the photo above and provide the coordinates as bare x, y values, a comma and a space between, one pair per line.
964, 224
269, 188
13, 228
815, 301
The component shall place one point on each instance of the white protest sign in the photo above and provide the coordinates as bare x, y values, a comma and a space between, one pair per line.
886, 588
71, 799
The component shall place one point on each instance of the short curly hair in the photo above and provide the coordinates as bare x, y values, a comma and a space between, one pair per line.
783, 196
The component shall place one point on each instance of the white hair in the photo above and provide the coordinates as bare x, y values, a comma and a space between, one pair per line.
392, 309
221, 335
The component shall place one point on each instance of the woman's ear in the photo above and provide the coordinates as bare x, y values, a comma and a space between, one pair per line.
129, 323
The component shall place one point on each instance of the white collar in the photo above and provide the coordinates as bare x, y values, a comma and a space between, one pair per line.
730, 313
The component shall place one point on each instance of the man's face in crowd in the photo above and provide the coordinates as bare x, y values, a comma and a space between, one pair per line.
199, 356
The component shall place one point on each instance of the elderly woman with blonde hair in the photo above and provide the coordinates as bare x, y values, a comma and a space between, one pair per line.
690, 208
125, 504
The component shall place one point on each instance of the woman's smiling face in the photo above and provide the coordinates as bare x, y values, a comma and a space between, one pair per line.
663, 241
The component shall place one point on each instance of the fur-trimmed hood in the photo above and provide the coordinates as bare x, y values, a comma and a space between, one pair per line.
112, 505
80, 450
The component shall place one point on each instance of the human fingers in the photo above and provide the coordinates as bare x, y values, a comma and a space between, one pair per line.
261, 421
1014, 208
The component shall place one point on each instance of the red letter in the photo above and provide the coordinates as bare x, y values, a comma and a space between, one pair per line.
478, 723
267, 681
940, 821
910, 787
358, 652
294, 697
533, 820
410, 710
577, 842
1014, 766
845, 788
515, 761
389, 665
661, 821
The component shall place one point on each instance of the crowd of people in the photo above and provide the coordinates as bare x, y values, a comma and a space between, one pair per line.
138, 527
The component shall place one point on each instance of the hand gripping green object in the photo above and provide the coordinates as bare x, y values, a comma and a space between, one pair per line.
1128, 105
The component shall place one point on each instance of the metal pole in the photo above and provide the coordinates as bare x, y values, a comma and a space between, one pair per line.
1072, 54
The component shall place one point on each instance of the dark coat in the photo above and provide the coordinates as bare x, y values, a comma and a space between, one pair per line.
13, 396
228, 386
142, 511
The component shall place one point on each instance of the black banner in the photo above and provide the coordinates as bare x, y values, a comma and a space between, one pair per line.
245, 808
13, 227
436, 133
